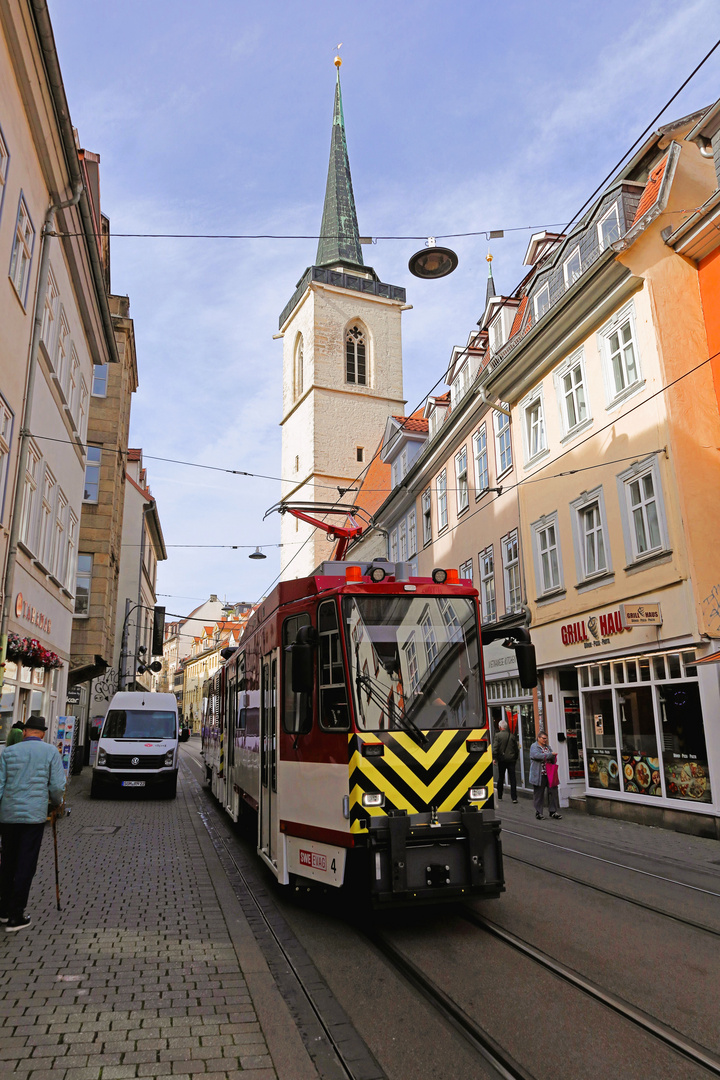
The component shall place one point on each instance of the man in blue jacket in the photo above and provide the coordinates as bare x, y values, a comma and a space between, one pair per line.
31, 775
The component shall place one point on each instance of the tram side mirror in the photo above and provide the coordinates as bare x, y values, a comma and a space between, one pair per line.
527, 667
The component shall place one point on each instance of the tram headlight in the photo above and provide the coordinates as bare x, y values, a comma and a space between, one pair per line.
373, 798
377, 574
478, 794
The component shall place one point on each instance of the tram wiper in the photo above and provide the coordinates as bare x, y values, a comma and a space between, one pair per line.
367, 683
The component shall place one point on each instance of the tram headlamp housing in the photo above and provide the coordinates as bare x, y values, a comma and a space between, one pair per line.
439, 576
101, 757
478, 794
373, 798
377, 574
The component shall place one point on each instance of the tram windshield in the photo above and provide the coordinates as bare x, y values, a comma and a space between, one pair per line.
413, 662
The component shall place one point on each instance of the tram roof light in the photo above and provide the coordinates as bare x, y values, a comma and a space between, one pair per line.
353, 573
453, 578
439, 576
377, 574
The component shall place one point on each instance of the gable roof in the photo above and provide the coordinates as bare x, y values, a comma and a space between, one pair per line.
652, 189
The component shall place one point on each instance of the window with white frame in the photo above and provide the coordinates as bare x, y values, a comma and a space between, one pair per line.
6, 423
429, 640
466, 570
460, 384
4, 163
83, 579
572, 268
461, 478
50, 311
71, 549
82, 408
621, 361
394, 545
403, 463
72, 384
496, 333
412, 663
548, 566
395, 473
412, 534
541, 302
482, 480
426, 517
27, 513
534, 426
100, 380
46, 516
590, 535
642, 510
442, 499
92, 474
486, 563
22, 251
511, 572
402, 541
609, 228
61, 357
355, 356
59, 553
503, 445
449, 615
572, 395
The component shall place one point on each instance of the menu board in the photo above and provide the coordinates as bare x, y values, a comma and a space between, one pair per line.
64, 740
641, 774
686, 778
603, 771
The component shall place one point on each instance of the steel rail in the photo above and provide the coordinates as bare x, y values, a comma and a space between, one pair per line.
492, 1053
611, 862
679, 1043
616, 896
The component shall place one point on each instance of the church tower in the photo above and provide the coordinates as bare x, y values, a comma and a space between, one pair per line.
342, 365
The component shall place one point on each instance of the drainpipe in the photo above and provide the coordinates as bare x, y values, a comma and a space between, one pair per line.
16, 512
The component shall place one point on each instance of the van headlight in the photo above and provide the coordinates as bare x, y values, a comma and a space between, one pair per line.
478, 794
102, 757
169, 758
373, 798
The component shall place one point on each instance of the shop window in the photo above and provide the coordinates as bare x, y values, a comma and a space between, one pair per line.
602, 759
334, 708
641, 766
685, 763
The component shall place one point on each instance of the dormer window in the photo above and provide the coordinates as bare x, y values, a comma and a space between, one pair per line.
355, 357
572, 268
609, 228
542, 302
496, 334
460, 384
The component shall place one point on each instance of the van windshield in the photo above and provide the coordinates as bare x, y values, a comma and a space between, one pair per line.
139, 724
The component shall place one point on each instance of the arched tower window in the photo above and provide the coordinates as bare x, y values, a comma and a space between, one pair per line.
355, 355
298, 366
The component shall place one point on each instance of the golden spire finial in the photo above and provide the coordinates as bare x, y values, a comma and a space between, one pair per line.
338, 61
488, 257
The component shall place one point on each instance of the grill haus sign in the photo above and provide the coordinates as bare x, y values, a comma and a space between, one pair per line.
593, 632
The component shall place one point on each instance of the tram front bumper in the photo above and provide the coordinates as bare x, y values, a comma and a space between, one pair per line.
432, 857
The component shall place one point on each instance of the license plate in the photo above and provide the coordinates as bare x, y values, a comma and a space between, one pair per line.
133, 783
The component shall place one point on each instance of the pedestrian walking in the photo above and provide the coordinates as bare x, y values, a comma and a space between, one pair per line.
15, 734
505, 753
541, 756
31, 775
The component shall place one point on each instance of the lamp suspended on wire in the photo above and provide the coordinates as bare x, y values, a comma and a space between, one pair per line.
257, 554
433, 261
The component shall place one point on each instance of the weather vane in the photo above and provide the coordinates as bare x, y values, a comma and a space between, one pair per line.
338, 60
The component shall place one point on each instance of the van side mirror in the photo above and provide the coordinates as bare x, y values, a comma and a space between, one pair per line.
94, 734
527, 666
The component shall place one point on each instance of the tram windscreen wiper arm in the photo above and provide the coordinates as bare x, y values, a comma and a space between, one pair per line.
409, 725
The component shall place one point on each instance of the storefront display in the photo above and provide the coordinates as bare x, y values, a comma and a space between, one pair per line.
520, 720
644, 727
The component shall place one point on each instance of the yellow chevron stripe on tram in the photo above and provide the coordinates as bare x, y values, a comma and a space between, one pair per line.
426, 791
466, 783
425, 757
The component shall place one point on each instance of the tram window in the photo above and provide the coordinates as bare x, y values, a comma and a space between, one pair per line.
334, 710
297, 708
231, 706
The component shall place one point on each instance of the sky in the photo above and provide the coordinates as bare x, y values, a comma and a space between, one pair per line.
216, 117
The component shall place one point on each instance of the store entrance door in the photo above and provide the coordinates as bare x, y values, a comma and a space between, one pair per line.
573, 735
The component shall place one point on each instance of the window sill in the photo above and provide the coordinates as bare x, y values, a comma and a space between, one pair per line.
463, 511
596, 582
540, 456
577, 430
500, 475
551, 596
56, 581
427, 543
41, 567
26, 550
624, 395
654, 559
81, 615
17, 294
442, 530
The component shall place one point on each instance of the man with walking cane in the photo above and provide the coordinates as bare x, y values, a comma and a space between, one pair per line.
31, 775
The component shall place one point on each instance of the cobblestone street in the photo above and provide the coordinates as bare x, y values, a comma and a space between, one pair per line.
141, 973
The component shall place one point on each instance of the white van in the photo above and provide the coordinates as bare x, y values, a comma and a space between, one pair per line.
138, 745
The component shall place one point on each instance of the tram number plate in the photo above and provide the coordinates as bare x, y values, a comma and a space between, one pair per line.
311, 858
133, 783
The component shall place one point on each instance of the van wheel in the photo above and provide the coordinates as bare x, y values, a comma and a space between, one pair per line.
96, 789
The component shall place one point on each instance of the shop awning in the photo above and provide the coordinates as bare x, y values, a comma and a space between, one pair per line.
713, 658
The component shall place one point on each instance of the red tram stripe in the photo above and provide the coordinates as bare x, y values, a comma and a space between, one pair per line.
314, 832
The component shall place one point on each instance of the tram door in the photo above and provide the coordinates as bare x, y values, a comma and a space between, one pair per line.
268, 757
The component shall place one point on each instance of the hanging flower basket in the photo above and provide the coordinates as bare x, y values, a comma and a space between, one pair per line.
30, 652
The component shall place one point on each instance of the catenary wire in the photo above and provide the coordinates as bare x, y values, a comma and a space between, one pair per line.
306, 236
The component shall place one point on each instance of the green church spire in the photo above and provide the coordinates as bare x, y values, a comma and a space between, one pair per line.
339, 236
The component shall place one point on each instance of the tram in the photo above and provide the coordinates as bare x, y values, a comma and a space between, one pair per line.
351, 723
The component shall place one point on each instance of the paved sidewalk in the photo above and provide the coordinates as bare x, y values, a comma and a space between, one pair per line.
143, 972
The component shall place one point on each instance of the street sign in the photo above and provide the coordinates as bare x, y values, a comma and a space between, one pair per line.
73, 694
640, 615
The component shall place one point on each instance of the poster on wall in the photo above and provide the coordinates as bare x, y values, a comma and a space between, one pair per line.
641, 774
603, 770
64, 740
686, 778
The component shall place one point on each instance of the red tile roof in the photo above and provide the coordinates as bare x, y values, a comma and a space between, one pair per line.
415, 424
517, 321
134, 455
652, 189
